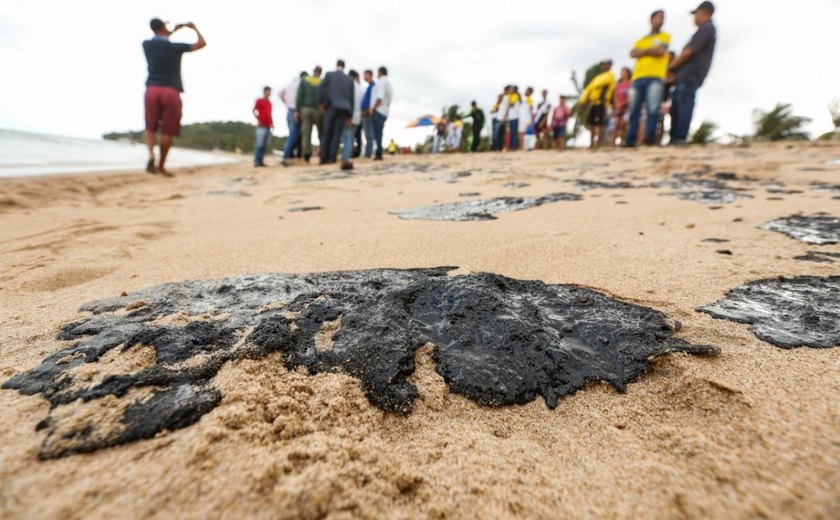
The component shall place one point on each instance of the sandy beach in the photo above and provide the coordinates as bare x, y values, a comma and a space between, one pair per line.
753, 431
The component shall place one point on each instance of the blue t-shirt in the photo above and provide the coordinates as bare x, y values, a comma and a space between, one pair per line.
366, 98
164, 58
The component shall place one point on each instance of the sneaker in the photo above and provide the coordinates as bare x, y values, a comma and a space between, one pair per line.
346, 165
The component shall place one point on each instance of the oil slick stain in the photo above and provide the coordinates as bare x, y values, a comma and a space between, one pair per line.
483, 209
497, 341
789, 313
818, 229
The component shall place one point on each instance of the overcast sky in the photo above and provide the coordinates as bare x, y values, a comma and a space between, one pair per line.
77, 68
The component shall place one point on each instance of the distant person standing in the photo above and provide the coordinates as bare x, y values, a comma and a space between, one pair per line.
559, 122
356, 119
597, 96
289, 98
512, 118
265, 123
335, 97
308, 112
477, 116
651, 53
691, 68
441, 128
526, 115
163, 89
496, 112
541, 128
621, 103
381, 99
367, 119
454, 133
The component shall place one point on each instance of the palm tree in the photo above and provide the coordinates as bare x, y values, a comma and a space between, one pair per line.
704, 133
779, 124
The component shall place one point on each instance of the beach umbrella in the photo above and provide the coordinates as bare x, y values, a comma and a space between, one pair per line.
427, 120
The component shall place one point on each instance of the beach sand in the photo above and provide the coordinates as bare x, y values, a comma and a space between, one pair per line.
751, 432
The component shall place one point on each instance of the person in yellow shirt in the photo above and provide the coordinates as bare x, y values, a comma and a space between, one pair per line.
597, 96
651, 53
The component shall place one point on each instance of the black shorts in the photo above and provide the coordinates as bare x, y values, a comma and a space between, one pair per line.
597, 115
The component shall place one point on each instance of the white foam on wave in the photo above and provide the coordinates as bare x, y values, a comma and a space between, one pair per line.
25, 154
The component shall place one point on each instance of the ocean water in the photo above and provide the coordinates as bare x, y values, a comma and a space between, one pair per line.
24, 154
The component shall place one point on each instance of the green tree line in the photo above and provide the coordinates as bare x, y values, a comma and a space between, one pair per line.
230, 136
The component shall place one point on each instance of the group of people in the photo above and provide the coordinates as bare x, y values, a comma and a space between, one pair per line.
337, 106
618, 110
660, 84
342, 110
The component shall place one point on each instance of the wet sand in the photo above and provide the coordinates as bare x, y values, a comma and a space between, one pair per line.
753, 431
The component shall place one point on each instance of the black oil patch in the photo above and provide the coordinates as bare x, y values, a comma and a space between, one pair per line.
818, 229
789, 313
498, 341
482, 209
304, 209
821, 186
704, 190
824, 257
225, 193
586, 185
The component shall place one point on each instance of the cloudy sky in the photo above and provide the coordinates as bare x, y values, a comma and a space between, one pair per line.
77, 68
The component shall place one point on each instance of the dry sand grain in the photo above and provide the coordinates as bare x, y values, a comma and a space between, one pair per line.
754, 432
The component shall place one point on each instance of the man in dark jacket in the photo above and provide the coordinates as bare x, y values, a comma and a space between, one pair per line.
477, 116
335, 95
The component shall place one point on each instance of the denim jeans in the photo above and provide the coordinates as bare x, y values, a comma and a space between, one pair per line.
294, 134
494, 137
436, 142
378, 129
682, 110
648, 91
514, 134
367, 126
347, 141
262, 136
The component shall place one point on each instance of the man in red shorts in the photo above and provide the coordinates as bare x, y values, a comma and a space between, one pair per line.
163, 89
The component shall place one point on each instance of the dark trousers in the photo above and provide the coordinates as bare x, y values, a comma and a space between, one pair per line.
378, 129
333, 128
682, 110
357, 142
499, 129
476, 139
514, 134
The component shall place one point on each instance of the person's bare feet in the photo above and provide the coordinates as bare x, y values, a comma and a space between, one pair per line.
150, 166
163, 171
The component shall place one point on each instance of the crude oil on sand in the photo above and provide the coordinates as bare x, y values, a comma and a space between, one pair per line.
753, 431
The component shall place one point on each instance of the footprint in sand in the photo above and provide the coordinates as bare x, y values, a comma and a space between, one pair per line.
68, 278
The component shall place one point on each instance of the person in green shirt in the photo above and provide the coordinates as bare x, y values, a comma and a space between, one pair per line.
309, 114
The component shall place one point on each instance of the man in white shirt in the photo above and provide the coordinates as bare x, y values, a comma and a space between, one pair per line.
383, 93
288, 96
356, 120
